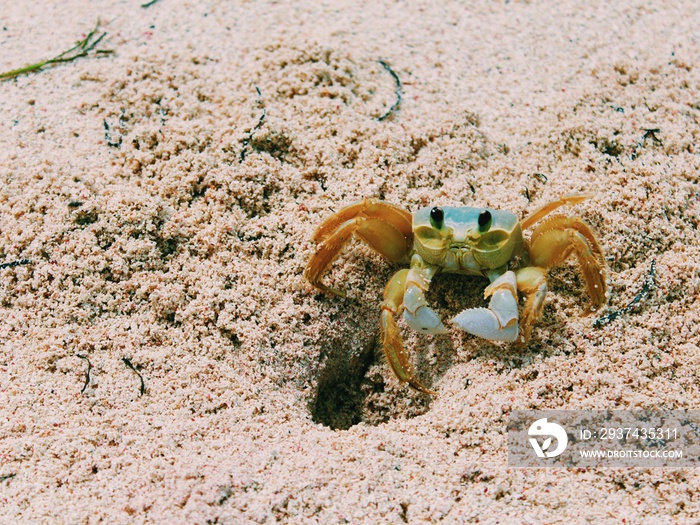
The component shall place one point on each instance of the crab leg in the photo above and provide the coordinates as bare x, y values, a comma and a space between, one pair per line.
532, 281
498, 322
324, 255
557, 238
391, 338
385, 227
548, 208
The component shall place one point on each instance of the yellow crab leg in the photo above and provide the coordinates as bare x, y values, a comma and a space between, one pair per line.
391, 338
532, 281
324, 255
385, 227
368, 208
557, 238
548, 208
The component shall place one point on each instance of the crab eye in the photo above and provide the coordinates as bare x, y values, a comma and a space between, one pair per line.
437, 217
484, 221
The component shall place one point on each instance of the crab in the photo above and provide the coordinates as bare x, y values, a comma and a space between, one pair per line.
467, 241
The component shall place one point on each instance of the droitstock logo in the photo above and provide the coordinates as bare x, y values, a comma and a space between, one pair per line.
604, 438
543, 428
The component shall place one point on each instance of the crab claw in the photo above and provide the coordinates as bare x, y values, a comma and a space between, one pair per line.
498, 322
425, 320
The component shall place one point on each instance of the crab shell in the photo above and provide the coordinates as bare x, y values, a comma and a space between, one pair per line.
459, 246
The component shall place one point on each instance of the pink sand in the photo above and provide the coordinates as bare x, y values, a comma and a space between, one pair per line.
267, 402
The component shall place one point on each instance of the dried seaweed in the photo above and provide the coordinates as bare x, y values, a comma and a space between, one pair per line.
126, 361
80, 49
87, 372
648, 285
14, 263
398, 91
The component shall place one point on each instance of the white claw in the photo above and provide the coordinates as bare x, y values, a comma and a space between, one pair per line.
500, 321
425, 321
482, 322
504, 306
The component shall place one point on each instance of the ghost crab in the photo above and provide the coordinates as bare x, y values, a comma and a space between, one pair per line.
467, 241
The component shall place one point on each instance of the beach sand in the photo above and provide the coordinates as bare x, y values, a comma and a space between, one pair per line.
164, 192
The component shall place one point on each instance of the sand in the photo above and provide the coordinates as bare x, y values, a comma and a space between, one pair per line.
165, 194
